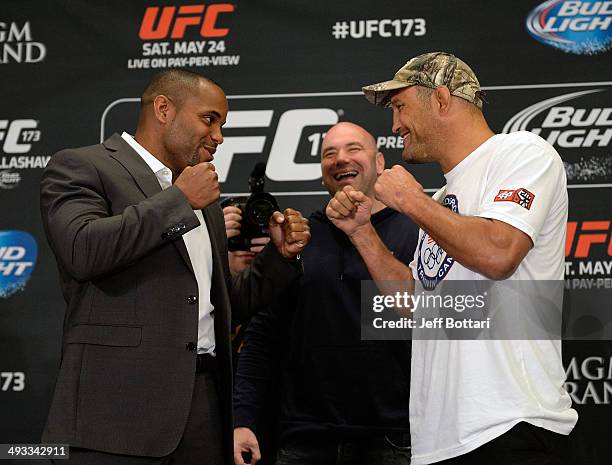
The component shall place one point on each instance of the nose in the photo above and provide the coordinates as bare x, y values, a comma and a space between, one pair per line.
342, 157
396, 123
216, 135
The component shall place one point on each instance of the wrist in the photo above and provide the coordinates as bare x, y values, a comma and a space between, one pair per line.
287, 254
413, 202
361, 233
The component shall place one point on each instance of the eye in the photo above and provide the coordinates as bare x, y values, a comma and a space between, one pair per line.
207, 119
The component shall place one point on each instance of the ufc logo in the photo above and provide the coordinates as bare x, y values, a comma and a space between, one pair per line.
15, 133
281, 164
187, 16
591, 232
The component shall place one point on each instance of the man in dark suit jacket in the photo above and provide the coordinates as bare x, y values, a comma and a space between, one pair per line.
141, 248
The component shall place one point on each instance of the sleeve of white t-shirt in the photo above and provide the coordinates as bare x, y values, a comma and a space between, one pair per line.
524, 182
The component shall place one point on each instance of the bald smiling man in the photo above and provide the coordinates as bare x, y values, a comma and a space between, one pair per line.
343, 400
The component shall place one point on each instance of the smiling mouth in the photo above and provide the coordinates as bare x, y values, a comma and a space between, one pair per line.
345, 175
211, 151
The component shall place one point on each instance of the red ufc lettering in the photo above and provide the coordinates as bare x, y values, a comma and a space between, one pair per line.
147, 31
585, 240
187, 16
209, 28
181, 22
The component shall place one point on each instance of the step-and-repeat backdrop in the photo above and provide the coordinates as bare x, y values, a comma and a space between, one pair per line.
72, 71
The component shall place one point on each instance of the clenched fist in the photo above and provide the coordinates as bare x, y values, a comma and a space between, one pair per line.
349, 210
200, 184
395, 187
245, 442
289, 231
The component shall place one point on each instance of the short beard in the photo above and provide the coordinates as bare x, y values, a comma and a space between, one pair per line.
195, 159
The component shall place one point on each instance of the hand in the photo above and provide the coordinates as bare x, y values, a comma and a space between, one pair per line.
289, 232
394, 188
349, 210
233, 218
258, 243
200, 184
245, 441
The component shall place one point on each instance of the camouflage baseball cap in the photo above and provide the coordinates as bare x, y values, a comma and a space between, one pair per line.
432, 70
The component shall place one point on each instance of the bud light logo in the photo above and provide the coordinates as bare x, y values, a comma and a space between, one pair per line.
579, 126
18, 252
576, 27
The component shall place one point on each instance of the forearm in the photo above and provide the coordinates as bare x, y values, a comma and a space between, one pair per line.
381, 264
91, 233
105, 245
479, 244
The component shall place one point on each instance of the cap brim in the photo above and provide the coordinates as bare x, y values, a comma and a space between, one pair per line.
378, 94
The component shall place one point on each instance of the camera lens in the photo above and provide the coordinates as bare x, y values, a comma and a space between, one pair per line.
259, 212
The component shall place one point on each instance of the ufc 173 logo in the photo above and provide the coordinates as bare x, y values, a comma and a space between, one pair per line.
12, 381
16, 135
281, 164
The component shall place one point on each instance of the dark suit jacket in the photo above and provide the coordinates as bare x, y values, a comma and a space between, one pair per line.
128, 359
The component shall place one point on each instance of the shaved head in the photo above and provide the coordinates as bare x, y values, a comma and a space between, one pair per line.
367, 138
180, 119
349, 157
177, 84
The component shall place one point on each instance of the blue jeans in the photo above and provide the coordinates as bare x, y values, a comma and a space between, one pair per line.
393, 449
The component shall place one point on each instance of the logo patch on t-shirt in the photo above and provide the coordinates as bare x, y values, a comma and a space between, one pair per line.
521, 196
433, 263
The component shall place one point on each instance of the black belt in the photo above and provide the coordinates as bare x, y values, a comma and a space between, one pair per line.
206, 363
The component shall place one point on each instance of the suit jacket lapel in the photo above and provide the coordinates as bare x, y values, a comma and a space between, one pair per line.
218, 291
213, 227
143, 176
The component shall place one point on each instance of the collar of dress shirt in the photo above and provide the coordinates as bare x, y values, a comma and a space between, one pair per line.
162, 172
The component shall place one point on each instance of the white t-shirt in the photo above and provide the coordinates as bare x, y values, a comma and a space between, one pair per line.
464, 393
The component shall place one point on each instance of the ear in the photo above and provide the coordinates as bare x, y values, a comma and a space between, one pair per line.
380, 163
442, 97
163, 108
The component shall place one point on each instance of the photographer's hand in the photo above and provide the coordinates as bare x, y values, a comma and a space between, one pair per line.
258, 243
233, 218
289, 232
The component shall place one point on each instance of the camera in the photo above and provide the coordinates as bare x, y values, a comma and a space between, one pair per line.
256, 210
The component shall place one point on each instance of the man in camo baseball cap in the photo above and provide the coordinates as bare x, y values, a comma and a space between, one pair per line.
484, 219
431, 70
